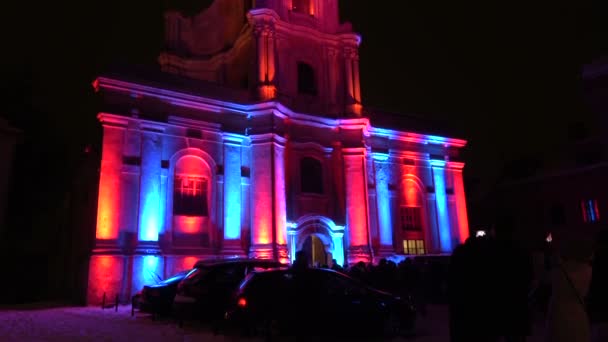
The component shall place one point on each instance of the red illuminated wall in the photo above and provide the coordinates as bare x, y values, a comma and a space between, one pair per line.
108, 214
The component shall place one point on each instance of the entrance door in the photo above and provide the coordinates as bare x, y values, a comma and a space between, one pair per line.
315, 252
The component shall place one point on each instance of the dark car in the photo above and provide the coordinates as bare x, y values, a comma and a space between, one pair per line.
158, 298
207, 289
316, 301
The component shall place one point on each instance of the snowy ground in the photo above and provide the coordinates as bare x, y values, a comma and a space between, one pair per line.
94, 324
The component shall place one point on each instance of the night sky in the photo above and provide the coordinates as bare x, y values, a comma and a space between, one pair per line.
506, 76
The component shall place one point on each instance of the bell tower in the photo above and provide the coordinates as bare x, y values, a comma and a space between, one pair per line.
292, 51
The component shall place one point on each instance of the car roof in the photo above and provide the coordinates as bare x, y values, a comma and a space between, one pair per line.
215, 262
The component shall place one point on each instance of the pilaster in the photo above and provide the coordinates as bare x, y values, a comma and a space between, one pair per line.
356, 205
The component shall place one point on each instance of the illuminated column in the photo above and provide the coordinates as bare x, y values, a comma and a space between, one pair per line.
232, 196
270, 68
108, 208
149, 195
441, 202
383, 201
261, 52
280, 210
353, 98
348, 63
460, 201
356, 84
268, 210
265, 37
356, 205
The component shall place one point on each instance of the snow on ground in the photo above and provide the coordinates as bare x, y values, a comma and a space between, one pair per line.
95, 324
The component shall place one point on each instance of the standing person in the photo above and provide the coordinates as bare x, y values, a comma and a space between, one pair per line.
567, 318
598, 290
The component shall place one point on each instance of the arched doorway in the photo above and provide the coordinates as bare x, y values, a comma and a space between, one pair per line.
316, 251
319, 238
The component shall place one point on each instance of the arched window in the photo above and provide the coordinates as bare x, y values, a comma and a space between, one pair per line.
190, 187
306, 79
300, 6
311, 174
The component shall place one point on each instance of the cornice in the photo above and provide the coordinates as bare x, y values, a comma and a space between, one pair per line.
271, 108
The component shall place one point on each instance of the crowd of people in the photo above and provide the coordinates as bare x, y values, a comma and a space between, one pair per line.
496, 290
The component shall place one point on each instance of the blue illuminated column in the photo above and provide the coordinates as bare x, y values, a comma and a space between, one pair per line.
150, 219
232, 196
385, 224
441, 201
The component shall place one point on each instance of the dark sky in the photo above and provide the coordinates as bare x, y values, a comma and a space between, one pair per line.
506, 75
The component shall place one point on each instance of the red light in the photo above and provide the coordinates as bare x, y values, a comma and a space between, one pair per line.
242, 302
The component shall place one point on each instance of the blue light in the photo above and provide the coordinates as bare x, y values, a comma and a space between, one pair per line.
232, 192
383, 198
150, 270
149, 221
442, 207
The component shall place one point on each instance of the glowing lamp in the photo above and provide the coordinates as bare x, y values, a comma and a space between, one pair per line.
480, 233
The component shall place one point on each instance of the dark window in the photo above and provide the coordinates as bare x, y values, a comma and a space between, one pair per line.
301, 6
311, 173
306, 79
190, 196
410, 219
590, 212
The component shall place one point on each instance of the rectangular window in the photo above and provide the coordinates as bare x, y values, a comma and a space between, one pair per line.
410, 219
190, 196
590, 211
413, 247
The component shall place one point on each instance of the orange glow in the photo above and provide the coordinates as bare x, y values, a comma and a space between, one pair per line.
268, 92
263, 234
108, 207
189, 262
312, 8
188, 224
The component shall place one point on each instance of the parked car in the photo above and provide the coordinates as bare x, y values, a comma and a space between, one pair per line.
205, 291
158, 298
316, 301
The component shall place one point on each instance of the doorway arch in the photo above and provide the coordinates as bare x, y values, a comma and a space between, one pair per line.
320, 231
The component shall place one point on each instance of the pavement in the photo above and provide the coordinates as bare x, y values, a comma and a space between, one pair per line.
48, 323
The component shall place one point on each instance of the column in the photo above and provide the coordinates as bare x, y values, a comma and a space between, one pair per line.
149, 192
108, 207
262, 235
356, 205
261, 54
356, 84
232, 197
441, 202
266, 61
460, 201
348, 63
383, 202
280, 208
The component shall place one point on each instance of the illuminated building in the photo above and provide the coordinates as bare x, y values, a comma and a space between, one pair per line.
253, 141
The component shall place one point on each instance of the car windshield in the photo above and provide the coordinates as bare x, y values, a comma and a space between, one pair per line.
175, 278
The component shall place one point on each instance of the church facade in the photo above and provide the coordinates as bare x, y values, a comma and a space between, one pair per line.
253, 141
